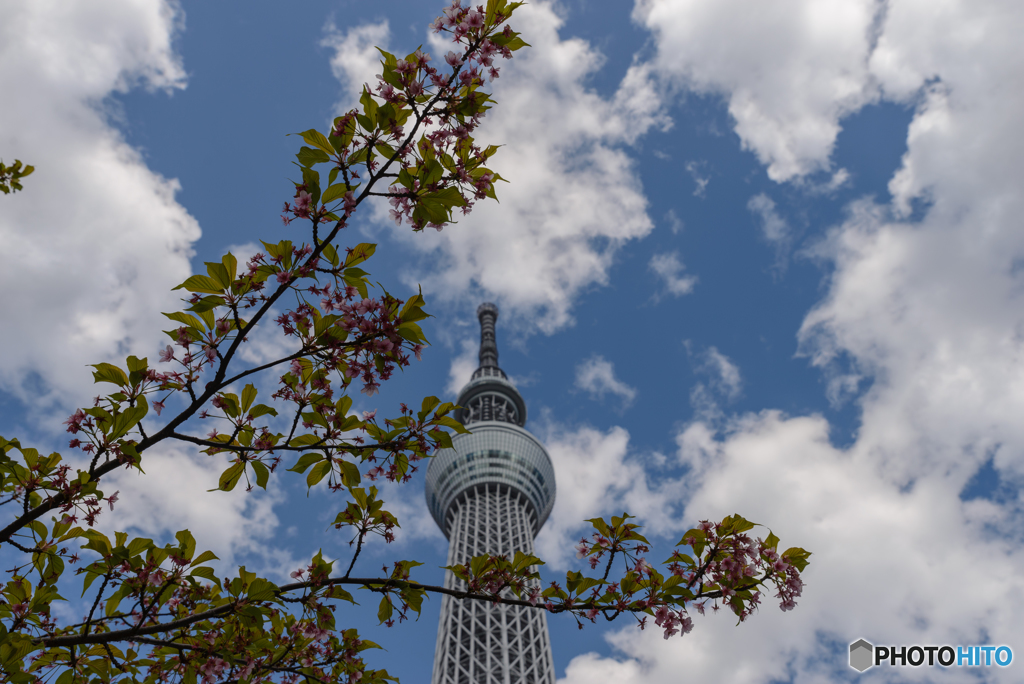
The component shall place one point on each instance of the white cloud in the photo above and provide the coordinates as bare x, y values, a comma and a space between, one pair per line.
774, 228
574, 196
407, 503
356, 60
172, 495
597, 476
674, 222
875, 572
590, 667
725, 373
99, 240
668, 267
928, 310
723, 383
700, 182
596, 376
839, 179
789, 70
99, 237
462, 366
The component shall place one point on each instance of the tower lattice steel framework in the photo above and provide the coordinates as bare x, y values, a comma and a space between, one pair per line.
491, 493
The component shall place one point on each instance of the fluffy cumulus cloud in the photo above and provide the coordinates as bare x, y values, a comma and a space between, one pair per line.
95, 242
921, 316
875, 572
172, 496
574, 196
596, 376
789, 70
99, 238
355, 60
598, 475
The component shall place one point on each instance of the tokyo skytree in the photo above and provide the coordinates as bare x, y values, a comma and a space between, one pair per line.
490, 493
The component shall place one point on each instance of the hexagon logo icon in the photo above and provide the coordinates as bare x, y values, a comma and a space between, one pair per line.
861, 655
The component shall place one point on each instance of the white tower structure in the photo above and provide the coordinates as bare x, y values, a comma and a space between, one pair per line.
490, 493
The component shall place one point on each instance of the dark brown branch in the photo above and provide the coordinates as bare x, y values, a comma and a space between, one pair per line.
375, 584
377, 446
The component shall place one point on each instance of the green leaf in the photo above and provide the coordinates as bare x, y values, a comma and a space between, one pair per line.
136, 365
201, 283
385, 610
350, 475
125, 421
334, 192
262, 590
305, 461
309, 157
203, 557
186, 541
262, 410
341, 594
412, 311
115, 600
204, 571
431, 172
188, 319
312, 180
601, 526
229, 478
360, 153
138, 545
106, 372
734, 524
330, 253
230, 266
248, 396
405, 177
219, 274
360, 253
389, 59
262, 474
317, 140
208, 319
369, 107
797, 557
428, 405
319, 472
305, 440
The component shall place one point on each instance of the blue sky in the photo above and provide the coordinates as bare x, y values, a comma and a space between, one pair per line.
754, 257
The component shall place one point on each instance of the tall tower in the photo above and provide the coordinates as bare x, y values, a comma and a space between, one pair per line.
490, 493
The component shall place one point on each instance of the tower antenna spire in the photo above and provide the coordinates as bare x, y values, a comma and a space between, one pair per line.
487, 313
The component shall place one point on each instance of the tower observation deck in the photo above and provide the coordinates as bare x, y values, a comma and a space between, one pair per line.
490, 493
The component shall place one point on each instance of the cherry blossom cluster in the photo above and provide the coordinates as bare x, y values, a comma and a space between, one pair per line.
448, 106
730, 566
463, 23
